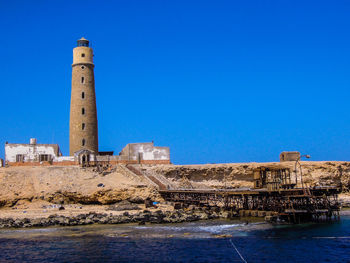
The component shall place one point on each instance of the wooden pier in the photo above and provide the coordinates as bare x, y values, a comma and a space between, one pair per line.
273, 192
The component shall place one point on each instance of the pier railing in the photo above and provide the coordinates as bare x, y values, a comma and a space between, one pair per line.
293, 205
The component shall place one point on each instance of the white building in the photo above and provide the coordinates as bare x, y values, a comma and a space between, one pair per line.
136, 153
32, 152
145, 152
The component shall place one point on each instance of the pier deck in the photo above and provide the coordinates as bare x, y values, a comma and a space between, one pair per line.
294, 205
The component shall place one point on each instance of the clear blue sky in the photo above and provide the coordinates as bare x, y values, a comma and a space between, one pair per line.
216, 81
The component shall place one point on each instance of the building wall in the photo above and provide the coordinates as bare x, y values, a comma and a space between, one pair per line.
31, 152
65, 163
289, 156
135, 153
145, 152
69, 163
61, 159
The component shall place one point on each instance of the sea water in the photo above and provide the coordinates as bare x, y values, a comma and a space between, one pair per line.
204, 241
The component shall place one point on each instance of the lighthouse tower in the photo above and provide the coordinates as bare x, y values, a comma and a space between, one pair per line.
83, 115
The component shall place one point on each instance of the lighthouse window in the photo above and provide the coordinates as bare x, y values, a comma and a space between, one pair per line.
82, 67
83, 111
82, 80
82, 55
83, 126
83, 95
83, 142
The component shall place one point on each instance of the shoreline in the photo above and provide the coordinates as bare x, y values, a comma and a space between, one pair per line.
51, 196
147, 216
44, 214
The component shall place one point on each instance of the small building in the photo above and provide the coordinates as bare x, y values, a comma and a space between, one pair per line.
289, 156
145, 153
85, 157
2, 163
32, 152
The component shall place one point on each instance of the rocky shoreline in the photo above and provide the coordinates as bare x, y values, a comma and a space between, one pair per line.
141, 218
146, 216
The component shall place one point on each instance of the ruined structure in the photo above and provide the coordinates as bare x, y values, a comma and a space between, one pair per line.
32, 152
276, 194
145, 152
274, 178
83, 115
49, 154
289, 156
137, 153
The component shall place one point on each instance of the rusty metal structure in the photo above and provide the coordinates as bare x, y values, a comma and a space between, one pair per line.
274, 192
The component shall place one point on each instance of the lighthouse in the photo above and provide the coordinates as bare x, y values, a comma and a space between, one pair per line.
83, 114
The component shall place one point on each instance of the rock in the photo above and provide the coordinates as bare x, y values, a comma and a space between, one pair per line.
87, 221
225, 214
136, 200
103, 220
100, 185
148, 203
191, 207
216, 209
36, 222
177, 206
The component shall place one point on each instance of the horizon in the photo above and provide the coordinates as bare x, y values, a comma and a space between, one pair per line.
217, 83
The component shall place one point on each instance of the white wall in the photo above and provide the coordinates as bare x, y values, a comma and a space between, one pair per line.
64, 158
149, 152
30, 152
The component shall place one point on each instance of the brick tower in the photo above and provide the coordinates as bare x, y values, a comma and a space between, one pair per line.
83, 114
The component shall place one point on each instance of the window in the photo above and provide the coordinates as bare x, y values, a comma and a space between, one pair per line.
82, 55
20, 158
82, 80
44, 157
82, 67
83, 126
83, 95
83, 111
83, 142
